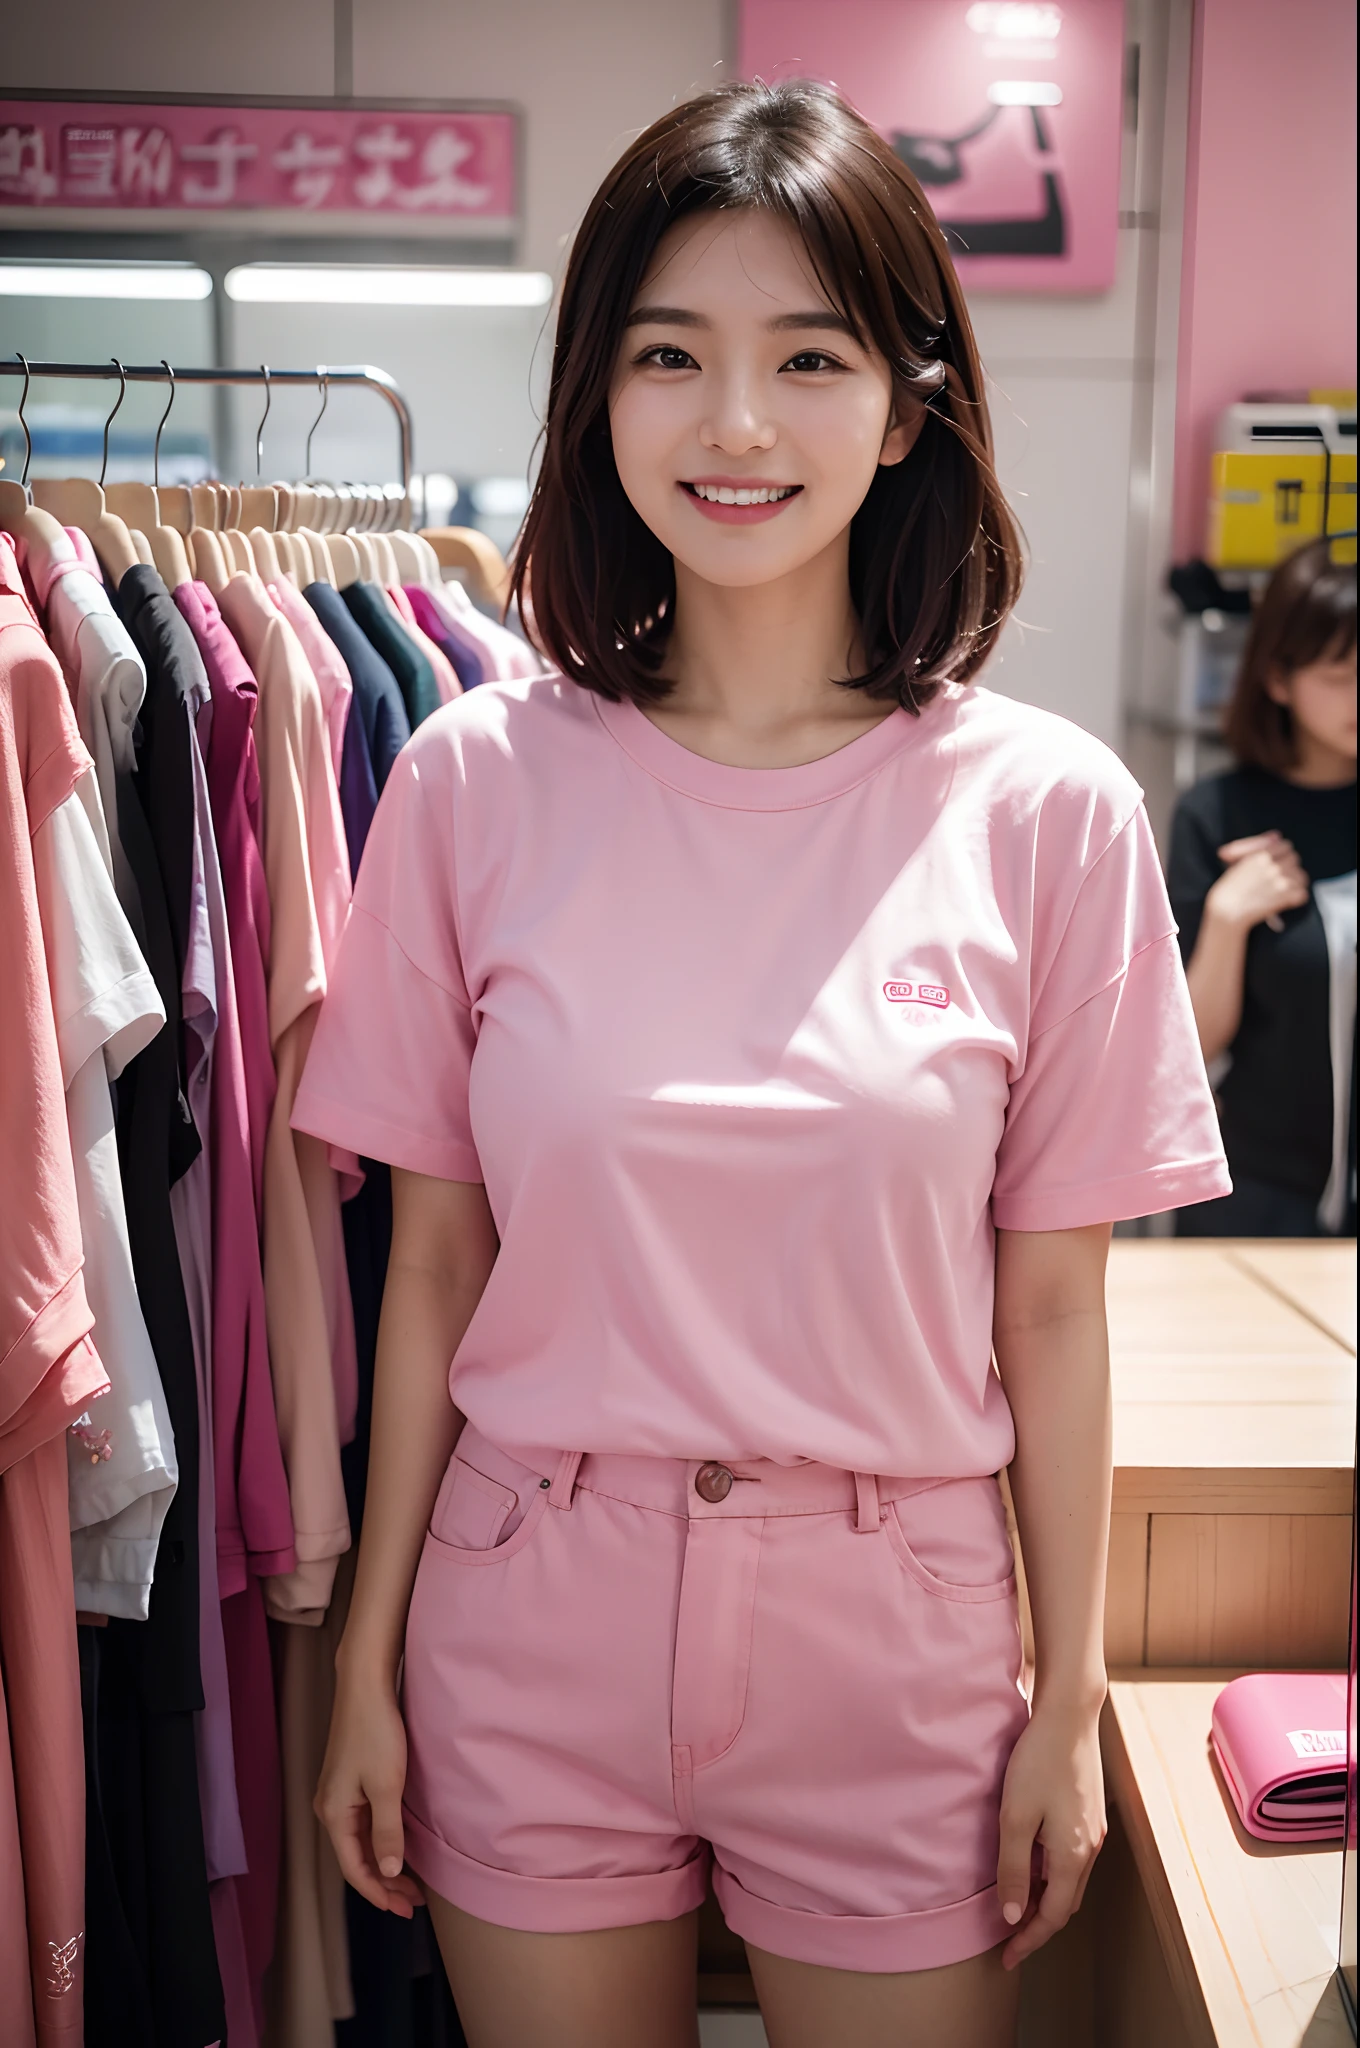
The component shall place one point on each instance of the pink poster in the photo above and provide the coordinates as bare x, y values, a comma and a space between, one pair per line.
333, 166
1008, 114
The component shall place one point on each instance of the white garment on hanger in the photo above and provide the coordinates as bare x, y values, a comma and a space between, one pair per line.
122, 1464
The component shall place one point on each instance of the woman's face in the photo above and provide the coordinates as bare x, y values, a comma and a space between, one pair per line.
1321, 699
747, 420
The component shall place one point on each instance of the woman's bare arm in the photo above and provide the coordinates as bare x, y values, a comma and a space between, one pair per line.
1052, 1351
443, 1249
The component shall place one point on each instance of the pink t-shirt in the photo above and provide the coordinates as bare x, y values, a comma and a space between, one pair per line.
753, 1061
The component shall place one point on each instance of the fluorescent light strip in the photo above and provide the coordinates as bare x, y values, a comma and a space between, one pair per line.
276, 284
103, 281
1024, 92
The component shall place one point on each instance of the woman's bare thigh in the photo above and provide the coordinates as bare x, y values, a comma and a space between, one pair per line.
965, 2005
616, 1988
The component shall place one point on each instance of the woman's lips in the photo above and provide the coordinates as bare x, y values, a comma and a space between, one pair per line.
741, 515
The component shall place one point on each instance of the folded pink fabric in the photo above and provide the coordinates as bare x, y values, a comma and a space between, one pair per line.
1280, 1740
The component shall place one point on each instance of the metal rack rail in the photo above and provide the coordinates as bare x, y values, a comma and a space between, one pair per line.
323, 376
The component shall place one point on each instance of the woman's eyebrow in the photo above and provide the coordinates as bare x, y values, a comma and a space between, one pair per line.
819, 317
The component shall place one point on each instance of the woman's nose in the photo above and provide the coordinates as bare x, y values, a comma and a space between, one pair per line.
736, 422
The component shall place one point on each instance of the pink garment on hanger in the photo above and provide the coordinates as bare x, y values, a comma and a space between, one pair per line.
507, 654
310, 1318
323, 657
445, 678
254, 1521
49, 1369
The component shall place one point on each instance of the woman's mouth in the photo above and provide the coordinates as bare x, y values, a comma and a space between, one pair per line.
738, 504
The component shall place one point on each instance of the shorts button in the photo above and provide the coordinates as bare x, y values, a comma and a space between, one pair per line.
713, 1482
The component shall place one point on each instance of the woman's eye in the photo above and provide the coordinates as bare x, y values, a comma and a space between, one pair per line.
667, 358
812, 359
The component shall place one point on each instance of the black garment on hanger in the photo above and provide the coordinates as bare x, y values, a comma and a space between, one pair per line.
149, 1682
413, 670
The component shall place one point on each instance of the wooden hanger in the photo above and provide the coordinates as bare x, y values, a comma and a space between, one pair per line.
259, 507
77, 501
368, 561
409, 560
389, 575
210, 559
206, 506
344, 559
43, 537
142, 546
318, 551
462, 547
140, 506
265, 555
177, 507
238, 551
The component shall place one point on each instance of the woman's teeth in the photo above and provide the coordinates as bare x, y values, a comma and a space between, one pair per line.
724, 494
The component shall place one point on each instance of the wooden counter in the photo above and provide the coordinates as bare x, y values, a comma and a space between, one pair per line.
1246, 1930
1233, 1365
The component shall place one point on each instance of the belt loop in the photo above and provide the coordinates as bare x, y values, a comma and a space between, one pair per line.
867, 1515
564, 1482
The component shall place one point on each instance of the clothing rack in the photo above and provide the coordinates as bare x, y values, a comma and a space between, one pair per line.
322, 377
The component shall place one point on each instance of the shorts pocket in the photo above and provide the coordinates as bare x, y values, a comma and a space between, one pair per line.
477, 1520
952, 1539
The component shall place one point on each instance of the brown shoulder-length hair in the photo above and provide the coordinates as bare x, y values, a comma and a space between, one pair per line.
935, 560
1306, 614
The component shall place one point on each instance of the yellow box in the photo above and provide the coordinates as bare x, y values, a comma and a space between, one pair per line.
1266, 503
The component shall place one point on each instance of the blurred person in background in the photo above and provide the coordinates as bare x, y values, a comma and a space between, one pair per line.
1262, 876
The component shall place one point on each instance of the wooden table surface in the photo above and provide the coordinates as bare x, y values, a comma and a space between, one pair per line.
1248, 1929
1234, 1375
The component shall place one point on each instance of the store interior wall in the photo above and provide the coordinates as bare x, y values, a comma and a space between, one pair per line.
1070, 376
1269, 282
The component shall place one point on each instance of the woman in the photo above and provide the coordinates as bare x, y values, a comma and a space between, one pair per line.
744, 1008
1262, 880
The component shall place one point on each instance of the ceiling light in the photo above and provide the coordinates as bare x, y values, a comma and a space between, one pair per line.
1015, 23
104, 281
277, 284
1024, 92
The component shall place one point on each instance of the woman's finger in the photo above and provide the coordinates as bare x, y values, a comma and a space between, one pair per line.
388, 1838
1014, 1864
348, 1831
1258, 842
1056, 1908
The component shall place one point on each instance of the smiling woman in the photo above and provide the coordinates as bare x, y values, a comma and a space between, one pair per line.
840, 314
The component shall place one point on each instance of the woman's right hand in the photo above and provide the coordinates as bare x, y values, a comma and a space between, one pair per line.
1264, 877
358, 1799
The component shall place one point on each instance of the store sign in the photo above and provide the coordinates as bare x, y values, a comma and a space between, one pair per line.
319, 165
1009, 115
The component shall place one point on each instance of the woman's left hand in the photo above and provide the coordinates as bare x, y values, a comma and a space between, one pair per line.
1054, 1796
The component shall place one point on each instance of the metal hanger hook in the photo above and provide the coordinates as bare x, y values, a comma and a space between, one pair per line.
28, 438
122, 394
156, 452
259, 431
323, 378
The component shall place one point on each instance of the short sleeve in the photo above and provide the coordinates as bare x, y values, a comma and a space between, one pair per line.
387, 1073
1111, 1115
1193, 865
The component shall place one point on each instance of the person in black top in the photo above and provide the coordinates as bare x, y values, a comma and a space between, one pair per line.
1262, 875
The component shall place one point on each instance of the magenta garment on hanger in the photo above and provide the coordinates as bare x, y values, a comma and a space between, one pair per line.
254, 1521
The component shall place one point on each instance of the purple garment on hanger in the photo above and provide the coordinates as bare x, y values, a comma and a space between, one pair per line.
462, 649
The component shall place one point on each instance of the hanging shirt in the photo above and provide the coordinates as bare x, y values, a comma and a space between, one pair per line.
122, 1464
373, 614
324, 660
508, 656
376, 694
1288, 1096
445, 674
310, 1319
49, 1369
754, 1061
469, 658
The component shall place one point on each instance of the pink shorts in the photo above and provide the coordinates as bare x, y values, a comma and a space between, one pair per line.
617, 1666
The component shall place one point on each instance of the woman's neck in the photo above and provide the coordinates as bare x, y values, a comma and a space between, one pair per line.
1318, 766
755, 669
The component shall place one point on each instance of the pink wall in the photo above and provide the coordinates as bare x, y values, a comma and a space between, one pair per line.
1268, 276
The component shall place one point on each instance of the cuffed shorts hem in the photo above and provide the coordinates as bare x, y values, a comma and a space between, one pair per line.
873, 1944
551, 1905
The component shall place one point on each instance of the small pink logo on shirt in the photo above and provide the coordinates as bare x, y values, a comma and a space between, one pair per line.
928, 992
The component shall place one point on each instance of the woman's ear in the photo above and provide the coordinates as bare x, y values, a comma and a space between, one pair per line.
903, 433
1278, 687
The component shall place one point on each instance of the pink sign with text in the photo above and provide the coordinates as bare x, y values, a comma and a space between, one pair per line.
392, 164
1008, 114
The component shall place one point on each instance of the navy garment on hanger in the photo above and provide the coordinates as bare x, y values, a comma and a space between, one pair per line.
412, 669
